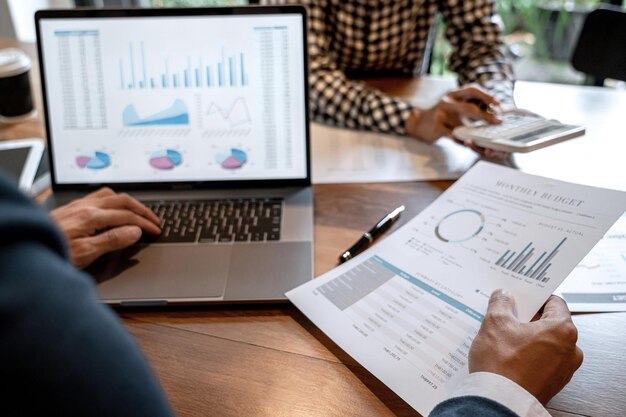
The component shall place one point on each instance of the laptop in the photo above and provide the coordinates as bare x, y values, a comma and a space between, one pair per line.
202, 114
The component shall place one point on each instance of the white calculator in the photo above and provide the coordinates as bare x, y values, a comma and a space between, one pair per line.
520, 131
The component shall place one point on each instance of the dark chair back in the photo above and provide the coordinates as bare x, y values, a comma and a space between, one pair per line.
601, 48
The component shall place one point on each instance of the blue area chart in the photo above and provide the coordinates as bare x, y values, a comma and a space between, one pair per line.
167, 159
177, 114
95, 160
231, 159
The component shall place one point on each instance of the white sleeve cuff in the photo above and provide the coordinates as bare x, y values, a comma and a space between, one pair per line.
501, 390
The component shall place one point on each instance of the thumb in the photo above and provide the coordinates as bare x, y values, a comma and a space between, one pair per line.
502, 302
555, 307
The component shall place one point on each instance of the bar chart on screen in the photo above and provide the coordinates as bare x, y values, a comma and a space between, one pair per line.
149, 67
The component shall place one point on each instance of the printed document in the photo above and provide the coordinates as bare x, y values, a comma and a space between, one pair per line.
598, 283
409, 307
351, 156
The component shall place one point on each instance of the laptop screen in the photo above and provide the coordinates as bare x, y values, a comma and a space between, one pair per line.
155, 99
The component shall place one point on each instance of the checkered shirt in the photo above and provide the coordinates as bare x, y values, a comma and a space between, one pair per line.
361, 38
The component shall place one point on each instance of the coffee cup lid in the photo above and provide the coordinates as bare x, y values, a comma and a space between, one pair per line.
12, 62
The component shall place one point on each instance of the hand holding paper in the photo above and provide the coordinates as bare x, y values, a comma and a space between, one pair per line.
540, 356
409, 307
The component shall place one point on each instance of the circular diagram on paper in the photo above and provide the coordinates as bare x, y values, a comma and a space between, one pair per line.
460, 226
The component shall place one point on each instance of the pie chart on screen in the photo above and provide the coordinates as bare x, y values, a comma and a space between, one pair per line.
166, 159
231, 159
95, 160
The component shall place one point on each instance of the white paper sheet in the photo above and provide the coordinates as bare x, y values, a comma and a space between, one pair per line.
349, 156
409, 307
598, 283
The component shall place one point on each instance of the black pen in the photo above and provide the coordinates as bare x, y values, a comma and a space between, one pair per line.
368, 237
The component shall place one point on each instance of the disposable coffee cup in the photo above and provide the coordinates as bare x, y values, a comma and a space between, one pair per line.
16, 100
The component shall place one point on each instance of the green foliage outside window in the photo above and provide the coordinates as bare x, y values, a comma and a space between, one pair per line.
552, 26
555, 24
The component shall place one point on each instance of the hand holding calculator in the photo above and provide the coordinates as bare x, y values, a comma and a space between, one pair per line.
520, 131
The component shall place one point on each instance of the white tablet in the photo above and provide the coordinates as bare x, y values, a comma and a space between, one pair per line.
20, 159
520, 131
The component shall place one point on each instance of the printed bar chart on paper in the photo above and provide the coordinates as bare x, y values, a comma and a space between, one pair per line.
521, 261
409, 307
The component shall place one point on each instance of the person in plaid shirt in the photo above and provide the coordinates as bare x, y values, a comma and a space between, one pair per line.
364, 38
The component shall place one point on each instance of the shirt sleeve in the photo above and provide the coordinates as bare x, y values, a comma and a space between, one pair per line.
338, 100
471, 406
473, 29
497, 389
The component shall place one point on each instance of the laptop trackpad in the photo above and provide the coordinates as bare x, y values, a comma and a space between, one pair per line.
163, 272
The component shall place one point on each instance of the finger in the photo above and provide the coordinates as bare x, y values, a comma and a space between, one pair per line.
555, 307
124, 201
108, 218
502, 303
102, 192
536, 317
575, 363
470, 144
457, 140
579, 358
464, 109
493, 154
486, 152
113, 239
473, 92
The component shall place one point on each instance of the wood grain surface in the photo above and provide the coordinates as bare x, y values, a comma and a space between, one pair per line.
272, 361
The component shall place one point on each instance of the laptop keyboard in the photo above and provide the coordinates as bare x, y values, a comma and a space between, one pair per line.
217, 221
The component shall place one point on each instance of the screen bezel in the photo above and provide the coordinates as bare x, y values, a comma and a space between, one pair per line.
176, 12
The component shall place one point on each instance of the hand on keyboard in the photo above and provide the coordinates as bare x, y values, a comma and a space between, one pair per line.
102, 222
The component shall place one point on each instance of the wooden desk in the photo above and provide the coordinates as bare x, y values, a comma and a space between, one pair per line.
273, 362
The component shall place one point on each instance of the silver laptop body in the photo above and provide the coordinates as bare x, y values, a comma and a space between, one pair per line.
203, 108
